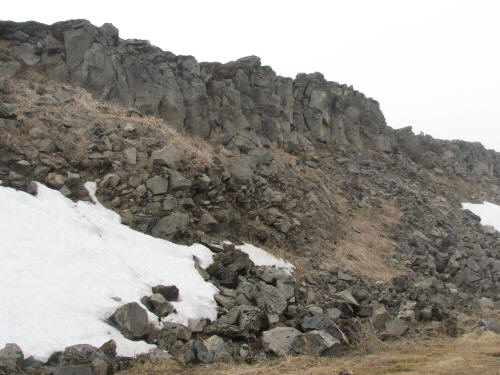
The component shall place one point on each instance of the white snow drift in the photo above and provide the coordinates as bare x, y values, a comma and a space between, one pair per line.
488, 212
63, 265
263, 258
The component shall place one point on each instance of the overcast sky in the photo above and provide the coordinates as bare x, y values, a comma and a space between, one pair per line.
434, 65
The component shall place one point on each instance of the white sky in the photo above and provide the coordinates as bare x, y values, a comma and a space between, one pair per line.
434, 65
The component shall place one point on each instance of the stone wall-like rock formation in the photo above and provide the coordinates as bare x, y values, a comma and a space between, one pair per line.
241, 101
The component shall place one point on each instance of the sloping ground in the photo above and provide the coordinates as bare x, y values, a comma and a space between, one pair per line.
473, 353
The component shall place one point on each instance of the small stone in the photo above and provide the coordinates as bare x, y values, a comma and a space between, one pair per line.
159, 305
157, 356
56, 180
22, 167
487, 303
63, 95
73, 179
379, 317
47, 145
170, 292
346, 296
157, 185
130, 155
197, 325
169, 203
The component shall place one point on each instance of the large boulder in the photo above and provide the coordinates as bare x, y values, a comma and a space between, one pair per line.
279, 340
132, 321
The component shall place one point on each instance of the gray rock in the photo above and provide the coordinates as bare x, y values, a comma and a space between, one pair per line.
486, 302
333, 313
170, 224
178, 181
317, 322
270, 299
287, 290
316, 343
130, 155
207, 221
197, 325
9, 68
132, 320
157, 185
218, 349
73, 179
63, 95
56, 180
27, 53
396, 327
492, 325
47, 145
346, 296
195, 352
157, 356
160, 306
488, 229
80, 354
272, 274
22, 167
169, 292
242, 170
169, 156
169, 203
11, 357
279, 340
379, 317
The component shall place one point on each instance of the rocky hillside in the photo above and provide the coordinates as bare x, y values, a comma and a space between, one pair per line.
306, 168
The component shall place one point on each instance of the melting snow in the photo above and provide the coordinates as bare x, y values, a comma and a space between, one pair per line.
63, 263
263, 258
488, 212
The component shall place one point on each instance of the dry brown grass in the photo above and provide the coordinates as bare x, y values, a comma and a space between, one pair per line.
366, 247
471, 354
44, 112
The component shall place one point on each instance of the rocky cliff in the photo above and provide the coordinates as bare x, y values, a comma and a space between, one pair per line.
305, 168
241, 102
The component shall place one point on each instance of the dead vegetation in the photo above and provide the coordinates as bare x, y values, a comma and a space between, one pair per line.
473, 353
366, 247
43, 111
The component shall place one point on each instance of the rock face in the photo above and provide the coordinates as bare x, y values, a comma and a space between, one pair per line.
224, 101
297, 165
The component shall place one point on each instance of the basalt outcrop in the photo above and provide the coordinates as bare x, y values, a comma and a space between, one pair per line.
205, 152
240, 103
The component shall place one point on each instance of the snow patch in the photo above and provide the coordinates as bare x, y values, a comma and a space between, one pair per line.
64, 264
262, 258
488, 212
